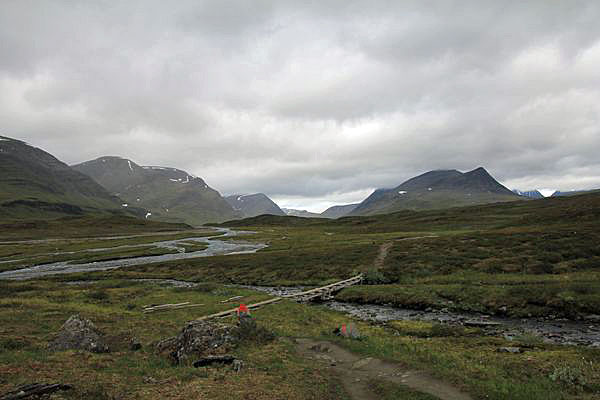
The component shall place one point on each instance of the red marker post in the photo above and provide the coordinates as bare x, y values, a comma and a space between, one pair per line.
242, 311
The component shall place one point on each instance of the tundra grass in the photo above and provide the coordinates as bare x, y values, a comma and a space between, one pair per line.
88, 226
31, 312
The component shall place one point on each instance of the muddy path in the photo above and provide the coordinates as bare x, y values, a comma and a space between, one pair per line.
215, 247
385, 248
355, 372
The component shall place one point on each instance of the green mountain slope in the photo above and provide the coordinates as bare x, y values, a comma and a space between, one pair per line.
436, 190
35, 184
339, 211
169, 194
251, 205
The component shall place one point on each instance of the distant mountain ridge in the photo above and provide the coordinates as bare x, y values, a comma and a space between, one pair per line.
558, 193
437, 189
252, 205
169, 194
532, 194
301, 213
34, 183
339, 211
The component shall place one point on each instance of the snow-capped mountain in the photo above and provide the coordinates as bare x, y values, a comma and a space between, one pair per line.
251, 205
169, 194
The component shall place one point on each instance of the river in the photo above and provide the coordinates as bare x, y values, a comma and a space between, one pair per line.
216, 247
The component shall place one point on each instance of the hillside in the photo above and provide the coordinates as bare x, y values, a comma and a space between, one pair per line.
436, 190
292, 212
251, 205
35, 184
558, 193
582, 210
339, 211
169, 194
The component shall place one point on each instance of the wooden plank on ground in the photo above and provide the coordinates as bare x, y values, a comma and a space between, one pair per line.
306, 295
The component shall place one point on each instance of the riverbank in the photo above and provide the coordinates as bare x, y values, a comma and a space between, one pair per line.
185, 246
32, 311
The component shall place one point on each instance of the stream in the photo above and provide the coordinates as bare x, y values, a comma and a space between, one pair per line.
215, 247
555, 331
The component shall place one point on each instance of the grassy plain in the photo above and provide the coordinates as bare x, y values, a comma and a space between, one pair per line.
524, 258
30, 312
538, 258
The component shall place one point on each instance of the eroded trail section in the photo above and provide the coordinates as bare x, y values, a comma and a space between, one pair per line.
385, 248
355, 372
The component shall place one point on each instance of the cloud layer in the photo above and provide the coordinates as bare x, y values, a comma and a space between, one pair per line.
312, 103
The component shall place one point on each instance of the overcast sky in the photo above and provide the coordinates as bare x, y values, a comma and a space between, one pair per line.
312, 103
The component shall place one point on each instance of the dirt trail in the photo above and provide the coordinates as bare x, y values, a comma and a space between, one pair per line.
383, 252
355, 372
385, 248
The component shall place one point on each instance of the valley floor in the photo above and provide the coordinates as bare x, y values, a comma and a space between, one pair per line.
515, 260
32, 311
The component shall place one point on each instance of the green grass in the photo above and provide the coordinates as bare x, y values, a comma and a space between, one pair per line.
85, 226
30, 313
536, 258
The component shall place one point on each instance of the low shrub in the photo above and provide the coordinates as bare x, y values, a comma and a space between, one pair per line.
374, 277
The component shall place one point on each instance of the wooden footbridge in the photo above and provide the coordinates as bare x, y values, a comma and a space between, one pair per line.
321, 293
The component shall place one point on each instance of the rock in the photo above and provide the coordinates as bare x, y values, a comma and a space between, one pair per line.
362, 363
134, 344
513, 350
595, 345
592, 317
198, 340
238, 365
78, 333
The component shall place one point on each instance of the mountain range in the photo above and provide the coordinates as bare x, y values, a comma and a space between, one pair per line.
437, 189
532, 194
168, 194
251, 205
35, 184
301, 213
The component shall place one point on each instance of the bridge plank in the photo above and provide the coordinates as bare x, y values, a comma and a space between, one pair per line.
302, 296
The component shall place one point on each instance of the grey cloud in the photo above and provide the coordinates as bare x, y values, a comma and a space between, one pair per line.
310, 100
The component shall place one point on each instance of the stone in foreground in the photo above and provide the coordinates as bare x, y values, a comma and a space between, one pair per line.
79, 333
198, 340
